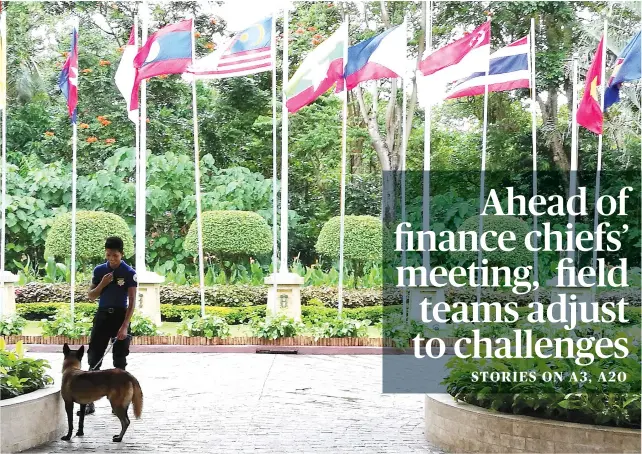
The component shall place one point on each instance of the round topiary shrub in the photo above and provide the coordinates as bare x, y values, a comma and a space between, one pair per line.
92, 227
363, 241
232, 237
520, 256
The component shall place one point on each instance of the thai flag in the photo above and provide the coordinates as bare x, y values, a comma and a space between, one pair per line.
68, 80
509, 69
168, 51
379, 57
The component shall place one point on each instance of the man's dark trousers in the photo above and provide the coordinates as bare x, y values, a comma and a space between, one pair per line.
107, 322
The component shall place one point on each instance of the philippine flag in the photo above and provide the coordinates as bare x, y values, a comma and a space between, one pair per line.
467, 55
379, 57
168, 51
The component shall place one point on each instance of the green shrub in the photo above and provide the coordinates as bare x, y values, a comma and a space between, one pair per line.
12, 325
20, 375
61, 324
38, 311
232, 315
363, 240
341, 327
142, 326
208, 326
276, 327
520, 256
232, 237
92, 227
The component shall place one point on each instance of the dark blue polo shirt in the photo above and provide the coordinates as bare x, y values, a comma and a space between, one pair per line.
115, 294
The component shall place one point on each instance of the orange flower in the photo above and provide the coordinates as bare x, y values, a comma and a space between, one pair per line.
163, 76
65, 54
312, 29
213, 21
92, 139
110, 141
100, 118
49, 134
83, 125
299, 31
147, 120
317, 36
87, 71
197, 35
106, 122
121, 49
104, 63
209, 46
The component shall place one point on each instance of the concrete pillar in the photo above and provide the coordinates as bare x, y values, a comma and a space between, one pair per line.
433, 295
149, 294
287, 299
8, 293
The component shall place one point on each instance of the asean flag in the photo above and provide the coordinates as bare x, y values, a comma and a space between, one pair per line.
589, 113
168, 51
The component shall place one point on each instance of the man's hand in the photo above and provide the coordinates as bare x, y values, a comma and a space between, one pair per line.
122, 333
107, 278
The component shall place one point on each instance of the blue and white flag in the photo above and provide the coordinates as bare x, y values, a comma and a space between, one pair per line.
509, 69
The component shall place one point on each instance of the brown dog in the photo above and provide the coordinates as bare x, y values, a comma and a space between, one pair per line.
83, 387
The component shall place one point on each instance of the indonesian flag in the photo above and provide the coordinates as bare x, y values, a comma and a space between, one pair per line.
589, 112
126, 74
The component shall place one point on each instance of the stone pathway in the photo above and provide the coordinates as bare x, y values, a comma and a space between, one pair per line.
230, 403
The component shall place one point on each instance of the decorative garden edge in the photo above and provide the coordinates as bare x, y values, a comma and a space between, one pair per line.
197, 340
460, 427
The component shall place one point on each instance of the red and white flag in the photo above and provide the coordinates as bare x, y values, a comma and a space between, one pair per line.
126, 74
459, 59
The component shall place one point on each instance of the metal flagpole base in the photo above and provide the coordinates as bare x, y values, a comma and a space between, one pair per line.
8, 293
287, 298
149, 294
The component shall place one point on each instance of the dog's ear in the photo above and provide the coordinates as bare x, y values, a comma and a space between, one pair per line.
65, 349
80, 352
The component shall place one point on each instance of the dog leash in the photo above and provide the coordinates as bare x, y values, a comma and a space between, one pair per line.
112, 340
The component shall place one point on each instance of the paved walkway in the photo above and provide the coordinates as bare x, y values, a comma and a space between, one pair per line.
230, 403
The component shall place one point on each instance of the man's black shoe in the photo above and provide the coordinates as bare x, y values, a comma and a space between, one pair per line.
89, 409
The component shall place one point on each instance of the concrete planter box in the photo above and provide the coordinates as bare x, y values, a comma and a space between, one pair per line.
32, 419
460, 427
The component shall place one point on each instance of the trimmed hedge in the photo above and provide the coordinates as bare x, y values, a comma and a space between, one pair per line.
92, 227
363, 238
246, 295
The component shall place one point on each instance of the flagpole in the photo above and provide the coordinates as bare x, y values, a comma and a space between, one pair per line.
482, 189
275, 222
3, 24
344, 147
140, 258
573, 176
531, 62
142, 191
404, 106
427, 137
74, 178
284, 145
197, 184
599, 146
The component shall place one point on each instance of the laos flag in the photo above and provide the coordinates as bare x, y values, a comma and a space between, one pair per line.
68, 79
168, 51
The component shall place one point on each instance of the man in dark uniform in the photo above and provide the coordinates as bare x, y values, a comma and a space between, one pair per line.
113, 283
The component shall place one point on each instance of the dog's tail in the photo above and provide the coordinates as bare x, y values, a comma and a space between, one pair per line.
137, 398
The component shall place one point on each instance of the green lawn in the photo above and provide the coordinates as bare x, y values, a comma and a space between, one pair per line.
169, 328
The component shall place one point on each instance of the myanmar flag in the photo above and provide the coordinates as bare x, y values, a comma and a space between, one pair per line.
589, 112
320, 70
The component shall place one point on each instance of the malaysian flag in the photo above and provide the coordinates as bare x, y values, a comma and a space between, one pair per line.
248, 52
509, 69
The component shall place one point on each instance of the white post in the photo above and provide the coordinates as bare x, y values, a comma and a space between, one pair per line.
275, 243
140, 257
573, 177
482, 189
284, 145
73, 190
599, 142
344, 147
404, 106
197, 185
531, 63
142, 183
3, 37
427, 127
